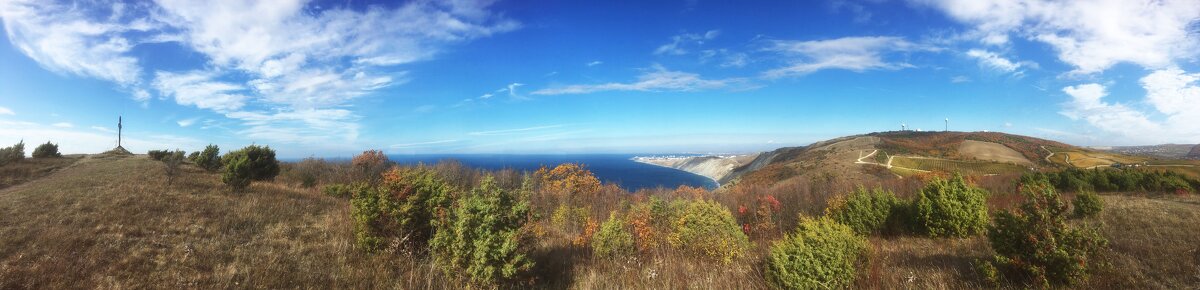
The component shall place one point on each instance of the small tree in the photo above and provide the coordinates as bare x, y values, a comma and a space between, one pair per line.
209, 159
1035, 244
158, 154
237, 172
371, 164
483, 239
171, 162
48, 150
12, 153
1087, 204
950, 208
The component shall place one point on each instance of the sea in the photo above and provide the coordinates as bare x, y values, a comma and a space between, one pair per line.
609, 168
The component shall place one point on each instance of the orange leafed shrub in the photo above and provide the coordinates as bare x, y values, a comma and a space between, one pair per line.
584, 239
569, 179
371, 163
691, 192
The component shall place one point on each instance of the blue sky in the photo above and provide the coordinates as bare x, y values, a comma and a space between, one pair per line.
334, 78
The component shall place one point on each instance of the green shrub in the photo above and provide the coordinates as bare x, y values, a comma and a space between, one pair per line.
260, 164
12, 153
950, 208
237, 172
482, 239
158, 154
1087, 204
821, 254
402, 209
209, 159
1036, 245
864, 211
613, 240
48, 150
708, 228
339, 190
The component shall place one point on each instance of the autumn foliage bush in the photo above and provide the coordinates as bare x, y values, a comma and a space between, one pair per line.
568, 179
708, 228
371, 164
760, 218
1036, 245
950, 208
820, 254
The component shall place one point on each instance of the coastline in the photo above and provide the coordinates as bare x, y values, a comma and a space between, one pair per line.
644, 161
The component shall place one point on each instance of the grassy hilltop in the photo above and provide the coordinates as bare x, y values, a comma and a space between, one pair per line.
112, 221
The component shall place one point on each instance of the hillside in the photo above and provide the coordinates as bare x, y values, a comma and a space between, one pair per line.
892, 155
113, 222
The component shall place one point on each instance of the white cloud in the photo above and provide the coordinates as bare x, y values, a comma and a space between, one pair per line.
197, 88
63, 125
595, 63
1087, 104
679, 43
960, 79
6, 111
421, 144
994, 61
187, 122
515, 131
1089, 35
1176, 94
286, 58
512, 89
103, 129
657, 79
67, 39
849, 53
485, 96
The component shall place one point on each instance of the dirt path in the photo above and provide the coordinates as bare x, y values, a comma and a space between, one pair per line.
889, 162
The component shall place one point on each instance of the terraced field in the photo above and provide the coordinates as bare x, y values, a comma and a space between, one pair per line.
953, 166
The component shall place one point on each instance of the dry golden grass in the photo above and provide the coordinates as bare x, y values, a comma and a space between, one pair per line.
32, 168
113, 223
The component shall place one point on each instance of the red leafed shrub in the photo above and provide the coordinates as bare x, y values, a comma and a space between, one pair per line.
371, 164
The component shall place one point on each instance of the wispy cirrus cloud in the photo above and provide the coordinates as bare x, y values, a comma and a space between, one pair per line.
997, 62
657, 79
857, 54
422, 144
681, 43
515, 131
6, 111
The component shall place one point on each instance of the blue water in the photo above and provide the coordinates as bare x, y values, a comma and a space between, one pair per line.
614, 168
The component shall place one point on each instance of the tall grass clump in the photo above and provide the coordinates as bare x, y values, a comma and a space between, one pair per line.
483, 239
820, 254
950, 208
707, 228
48, 150
1035, 245
865, 211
